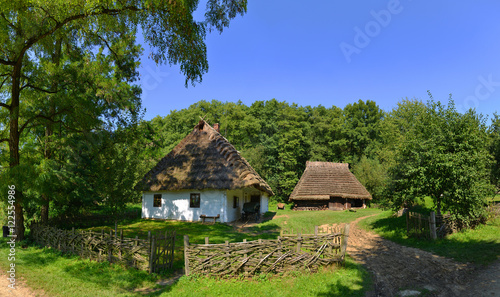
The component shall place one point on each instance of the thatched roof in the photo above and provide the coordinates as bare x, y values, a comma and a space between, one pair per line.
321, 180
204, 159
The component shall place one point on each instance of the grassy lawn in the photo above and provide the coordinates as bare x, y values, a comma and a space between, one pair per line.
62, 275
480, 246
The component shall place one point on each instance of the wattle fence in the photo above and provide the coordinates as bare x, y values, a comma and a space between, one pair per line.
155, 254
289, 252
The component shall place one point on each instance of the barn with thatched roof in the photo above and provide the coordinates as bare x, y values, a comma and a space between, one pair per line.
203, 175
326, 185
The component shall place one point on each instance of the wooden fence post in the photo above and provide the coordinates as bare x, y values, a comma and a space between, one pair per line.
260, 250
245, 241
110, 246
432, 226
136, 243
152, 255
172, 240
345, 237
299, 243
121, 243
186, 260
228, 251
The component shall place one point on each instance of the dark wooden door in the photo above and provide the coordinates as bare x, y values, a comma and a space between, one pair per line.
335, 203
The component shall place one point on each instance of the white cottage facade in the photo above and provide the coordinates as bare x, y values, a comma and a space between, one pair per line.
183, 206
203, 175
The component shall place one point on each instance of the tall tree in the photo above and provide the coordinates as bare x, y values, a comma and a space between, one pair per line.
444, 155
361, 129
168, 27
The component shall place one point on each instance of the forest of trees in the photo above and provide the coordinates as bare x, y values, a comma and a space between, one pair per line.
72, 137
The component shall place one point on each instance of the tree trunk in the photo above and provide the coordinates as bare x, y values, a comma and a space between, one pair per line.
49, 131
14, 148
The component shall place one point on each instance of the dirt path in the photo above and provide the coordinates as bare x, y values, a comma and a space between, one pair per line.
486, 283
403, 271
21, 290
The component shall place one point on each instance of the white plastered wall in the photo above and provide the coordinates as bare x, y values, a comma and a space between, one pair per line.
175, 205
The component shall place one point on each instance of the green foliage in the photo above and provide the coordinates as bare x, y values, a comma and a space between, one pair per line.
495, 150
373, 175
361, 130
443, 154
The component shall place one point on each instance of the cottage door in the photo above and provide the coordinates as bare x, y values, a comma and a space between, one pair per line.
335, 203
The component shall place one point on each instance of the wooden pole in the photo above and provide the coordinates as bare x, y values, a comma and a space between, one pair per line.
299, 243
173, 248
345, 236
186, 260
136, 242
152, 255
121, 243
432, 226
245, 241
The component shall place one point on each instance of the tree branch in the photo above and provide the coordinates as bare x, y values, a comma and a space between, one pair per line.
41, 116
4, 140
5, 105
39, 89
5, 62
107, 44
9, 22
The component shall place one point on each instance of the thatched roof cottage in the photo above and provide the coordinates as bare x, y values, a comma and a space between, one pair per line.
203, 175
326, 185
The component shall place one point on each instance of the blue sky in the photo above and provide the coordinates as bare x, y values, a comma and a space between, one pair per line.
337, 52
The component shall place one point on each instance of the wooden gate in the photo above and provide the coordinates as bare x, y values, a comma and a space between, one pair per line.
162, 252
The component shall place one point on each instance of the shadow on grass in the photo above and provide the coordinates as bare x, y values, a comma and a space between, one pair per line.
269, 215
354, 287
38, 256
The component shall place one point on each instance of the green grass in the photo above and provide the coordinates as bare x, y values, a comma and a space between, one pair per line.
305, 221
480, 245
62, 275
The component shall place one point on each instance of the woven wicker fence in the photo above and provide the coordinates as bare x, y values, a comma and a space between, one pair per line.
153, 255
287, 253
